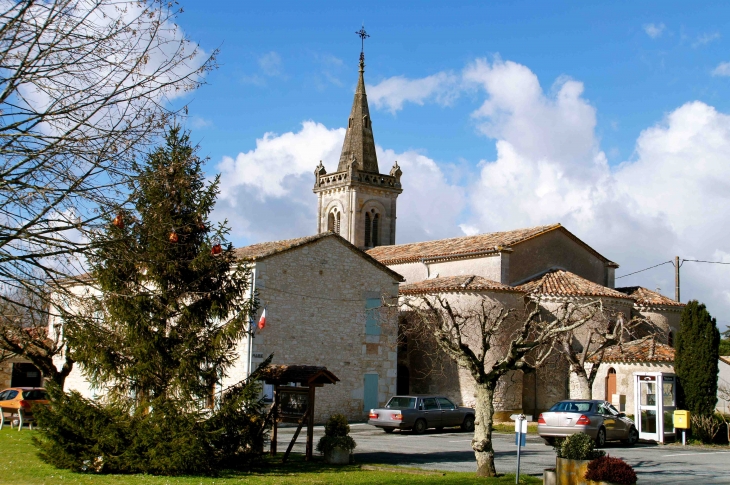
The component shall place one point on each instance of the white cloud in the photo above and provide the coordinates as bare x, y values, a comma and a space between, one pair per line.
266, 193
270, 64
393, 92
705, 39
654, 30
722, 69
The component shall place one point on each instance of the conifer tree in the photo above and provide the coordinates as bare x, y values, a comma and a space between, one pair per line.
172, 302
695, 361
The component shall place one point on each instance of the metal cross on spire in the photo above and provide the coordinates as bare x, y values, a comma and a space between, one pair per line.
363, 35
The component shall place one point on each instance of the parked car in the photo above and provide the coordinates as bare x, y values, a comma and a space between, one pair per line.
598, 419
14, 399
419, 413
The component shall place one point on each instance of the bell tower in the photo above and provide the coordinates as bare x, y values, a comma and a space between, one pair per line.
357, 201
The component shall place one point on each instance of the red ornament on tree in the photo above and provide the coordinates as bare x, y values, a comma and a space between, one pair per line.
173, 237
216, 249
118, 221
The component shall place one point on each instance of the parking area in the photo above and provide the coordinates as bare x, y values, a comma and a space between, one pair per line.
451, 450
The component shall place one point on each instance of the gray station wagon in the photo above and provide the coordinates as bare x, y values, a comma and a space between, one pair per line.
598, 419
418, 413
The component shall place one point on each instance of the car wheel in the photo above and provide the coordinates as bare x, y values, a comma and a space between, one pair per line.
419, 426
633, 437
601, 438
388, 430
468, 424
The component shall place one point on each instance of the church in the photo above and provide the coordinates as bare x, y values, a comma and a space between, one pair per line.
331, 298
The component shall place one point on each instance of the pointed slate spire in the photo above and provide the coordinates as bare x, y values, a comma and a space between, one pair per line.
359, 145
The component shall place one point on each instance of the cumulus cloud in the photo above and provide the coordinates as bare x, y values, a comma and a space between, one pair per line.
654, 30
266, 193
722, 69
393, 92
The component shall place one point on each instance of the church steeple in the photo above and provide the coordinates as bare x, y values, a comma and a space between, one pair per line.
359, 143
357, 201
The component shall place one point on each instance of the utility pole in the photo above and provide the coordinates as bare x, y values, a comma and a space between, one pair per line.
676, 278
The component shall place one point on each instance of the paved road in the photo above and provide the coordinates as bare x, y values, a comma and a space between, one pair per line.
451, 451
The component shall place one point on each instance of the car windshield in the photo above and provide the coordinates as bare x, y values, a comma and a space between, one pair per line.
401, 402
572, 406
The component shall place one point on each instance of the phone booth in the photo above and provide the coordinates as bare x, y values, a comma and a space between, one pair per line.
654, 403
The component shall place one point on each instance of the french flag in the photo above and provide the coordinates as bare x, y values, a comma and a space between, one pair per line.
262, 320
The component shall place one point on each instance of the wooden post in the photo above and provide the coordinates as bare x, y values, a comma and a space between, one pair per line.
310, 424
676, 278
276, 420
296, 435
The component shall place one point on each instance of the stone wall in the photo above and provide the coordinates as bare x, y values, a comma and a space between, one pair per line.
315, 297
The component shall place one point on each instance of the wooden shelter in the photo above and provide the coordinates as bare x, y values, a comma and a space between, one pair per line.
294, 392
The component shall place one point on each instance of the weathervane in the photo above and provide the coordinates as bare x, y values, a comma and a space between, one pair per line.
363, 35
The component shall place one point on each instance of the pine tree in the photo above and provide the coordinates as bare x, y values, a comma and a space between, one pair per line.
172, 302
695, 361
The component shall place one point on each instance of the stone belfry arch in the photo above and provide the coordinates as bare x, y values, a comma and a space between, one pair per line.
357, 201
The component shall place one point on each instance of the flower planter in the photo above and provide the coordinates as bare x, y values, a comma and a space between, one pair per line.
571, 472
337, 456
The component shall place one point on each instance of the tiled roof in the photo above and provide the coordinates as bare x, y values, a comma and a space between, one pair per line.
302, 374
645, 297
266, 249
725, 359
644, 350
558, 282
454, 283
403, 253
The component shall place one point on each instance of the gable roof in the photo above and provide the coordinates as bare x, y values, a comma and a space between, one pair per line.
461, 283
467, 245
643, 350
645, 297
257, 252
558, 282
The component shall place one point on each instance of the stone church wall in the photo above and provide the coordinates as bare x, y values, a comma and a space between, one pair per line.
315, 297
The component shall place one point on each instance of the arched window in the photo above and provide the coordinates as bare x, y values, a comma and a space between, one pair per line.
367, 229
610, 384
376, 230
337, 224
670, 339
331, 222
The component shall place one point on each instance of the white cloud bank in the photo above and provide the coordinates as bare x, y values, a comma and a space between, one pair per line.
395, 91
670, 199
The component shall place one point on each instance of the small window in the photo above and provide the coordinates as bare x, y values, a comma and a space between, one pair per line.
372, 325
331, 222
670, 339
445, 403
367, 229
376, 230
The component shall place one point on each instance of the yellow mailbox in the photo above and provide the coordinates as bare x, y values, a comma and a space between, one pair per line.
681, 419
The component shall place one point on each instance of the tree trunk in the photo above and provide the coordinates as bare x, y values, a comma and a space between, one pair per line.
580, 386
482, 441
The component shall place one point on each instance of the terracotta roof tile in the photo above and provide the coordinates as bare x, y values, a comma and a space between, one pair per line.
262, 250
302, 374
644, 350
459, 283
559, 282
645, 297
402, 253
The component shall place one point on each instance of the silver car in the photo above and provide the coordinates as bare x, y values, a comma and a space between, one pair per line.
598, 419
421, 412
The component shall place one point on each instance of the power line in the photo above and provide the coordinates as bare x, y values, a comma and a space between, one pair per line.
700, 261
645, 269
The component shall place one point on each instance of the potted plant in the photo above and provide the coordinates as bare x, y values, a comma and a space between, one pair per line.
574, 453
611, 471
336, 445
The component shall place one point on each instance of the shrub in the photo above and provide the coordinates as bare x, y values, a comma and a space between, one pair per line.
336, 433
705, 428
614, 470
579, 446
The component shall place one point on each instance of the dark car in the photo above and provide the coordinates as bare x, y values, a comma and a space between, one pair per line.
419, 413
598, 419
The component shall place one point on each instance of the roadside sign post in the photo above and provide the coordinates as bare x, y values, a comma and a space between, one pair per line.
520, 438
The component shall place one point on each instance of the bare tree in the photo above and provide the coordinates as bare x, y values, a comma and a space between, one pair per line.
85, 85
584, 349
24, 322
490, 341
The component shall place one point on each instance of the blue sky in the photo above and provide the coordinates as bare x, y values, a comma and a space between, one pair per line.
609, 117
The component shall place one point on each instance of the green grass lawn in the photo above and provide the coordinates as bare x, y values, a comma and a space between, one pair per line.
510, 428
21, 466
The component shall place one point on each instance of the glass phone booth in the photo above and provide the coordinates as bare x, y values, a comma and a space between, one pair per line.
654, 403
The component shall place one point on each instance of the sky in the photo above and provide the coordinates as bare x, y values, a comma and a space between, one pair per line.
612, 118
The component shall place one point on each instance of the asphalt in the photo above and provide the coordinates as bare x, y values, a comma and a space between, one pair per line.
450, 450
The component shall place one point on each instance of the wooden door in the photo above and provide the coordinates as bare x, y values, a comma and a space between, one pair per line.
610, 384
